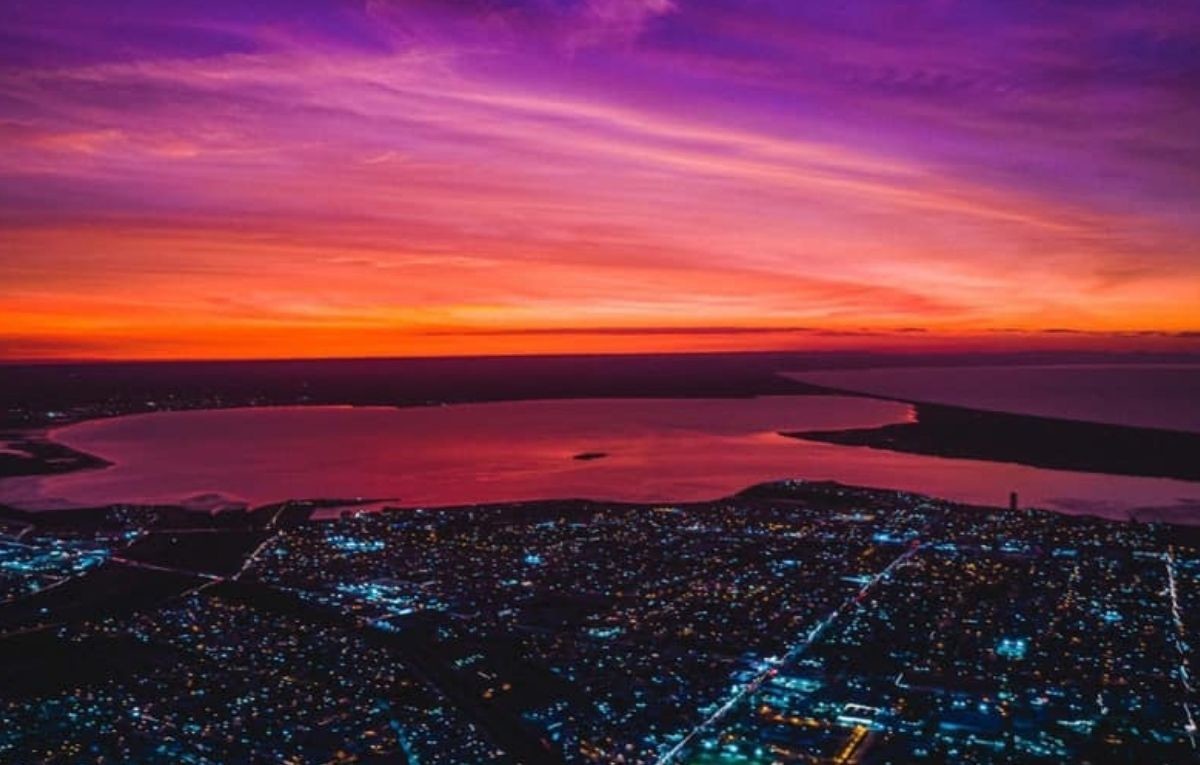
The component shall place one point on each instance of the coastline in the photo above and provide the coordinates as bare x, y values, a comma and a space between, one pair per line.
40, 399
954, 432
936, 430
34, 452
834, 495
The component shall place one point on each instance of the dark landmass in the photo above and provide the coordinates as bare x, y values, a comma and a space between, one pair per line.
52, 394
162, 523
957, 432
113, 518
26, 454
46, 663
113, 589
585, 456
217, 552
36, 396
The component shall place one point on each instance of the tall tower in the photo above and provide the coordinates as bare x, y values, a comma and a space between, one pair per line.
1012, 501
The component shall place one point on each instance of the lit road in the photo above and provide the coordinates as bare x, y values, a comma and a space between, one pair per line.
1181, 646
167, 569
794, 653
249, 561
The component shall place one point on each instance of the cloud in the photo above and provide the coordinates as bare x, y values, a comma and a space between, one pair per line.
568, 26
637, 330
597, 22
497, 167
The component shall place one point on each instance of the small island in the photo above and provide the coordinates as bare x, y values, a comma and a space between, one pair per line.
588, 456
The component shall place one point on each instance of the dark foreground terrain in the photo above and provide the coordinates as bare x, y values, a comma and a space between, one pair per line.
794, 623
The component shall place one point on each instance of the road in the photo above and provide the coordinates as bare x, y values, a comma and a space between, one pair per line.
1181, 645
795, 652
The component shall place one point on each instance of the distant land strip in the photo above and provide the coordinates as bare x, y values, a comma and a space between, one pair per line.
1044, 442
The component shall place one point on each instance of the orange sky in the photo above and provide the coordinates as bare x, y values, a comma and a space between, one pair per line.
410, 180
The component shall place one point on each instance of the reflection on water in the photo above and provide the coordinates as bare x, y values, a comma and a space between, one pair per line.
656, 450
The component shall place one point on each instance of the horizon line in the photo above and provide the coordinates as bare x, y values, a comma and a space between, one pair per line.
900, 352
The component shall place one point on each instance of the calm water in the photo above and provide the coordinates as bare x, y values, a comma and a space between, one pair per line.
1146, 395
658, 450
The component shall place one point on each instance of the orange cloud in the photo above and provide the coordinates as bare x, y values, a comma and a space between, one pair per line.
446, 191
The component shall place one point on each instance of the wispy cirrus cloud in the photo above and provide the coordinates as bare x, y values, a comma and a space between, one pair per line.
497, 167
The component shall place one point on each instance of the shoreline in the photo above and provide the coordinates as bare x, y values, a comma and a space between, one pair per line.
41, 400
34, 452
955, 432
934, 430
178, 515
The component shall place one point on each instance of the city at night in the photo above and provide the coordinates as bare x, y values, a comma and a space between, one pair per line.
599, 382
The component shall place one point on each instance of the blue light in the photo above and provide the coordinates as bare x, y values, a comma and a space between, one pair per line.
1012, 648
351, 544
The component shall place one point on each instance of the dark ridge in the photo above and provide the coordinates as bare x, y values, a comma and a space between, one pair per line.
1044, 442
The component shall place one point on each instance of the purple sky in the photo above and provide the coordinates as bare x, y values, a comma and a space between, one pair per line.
354, 178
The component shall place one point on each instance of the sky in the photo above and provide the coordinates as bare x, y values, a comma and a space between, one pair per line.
209, 179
